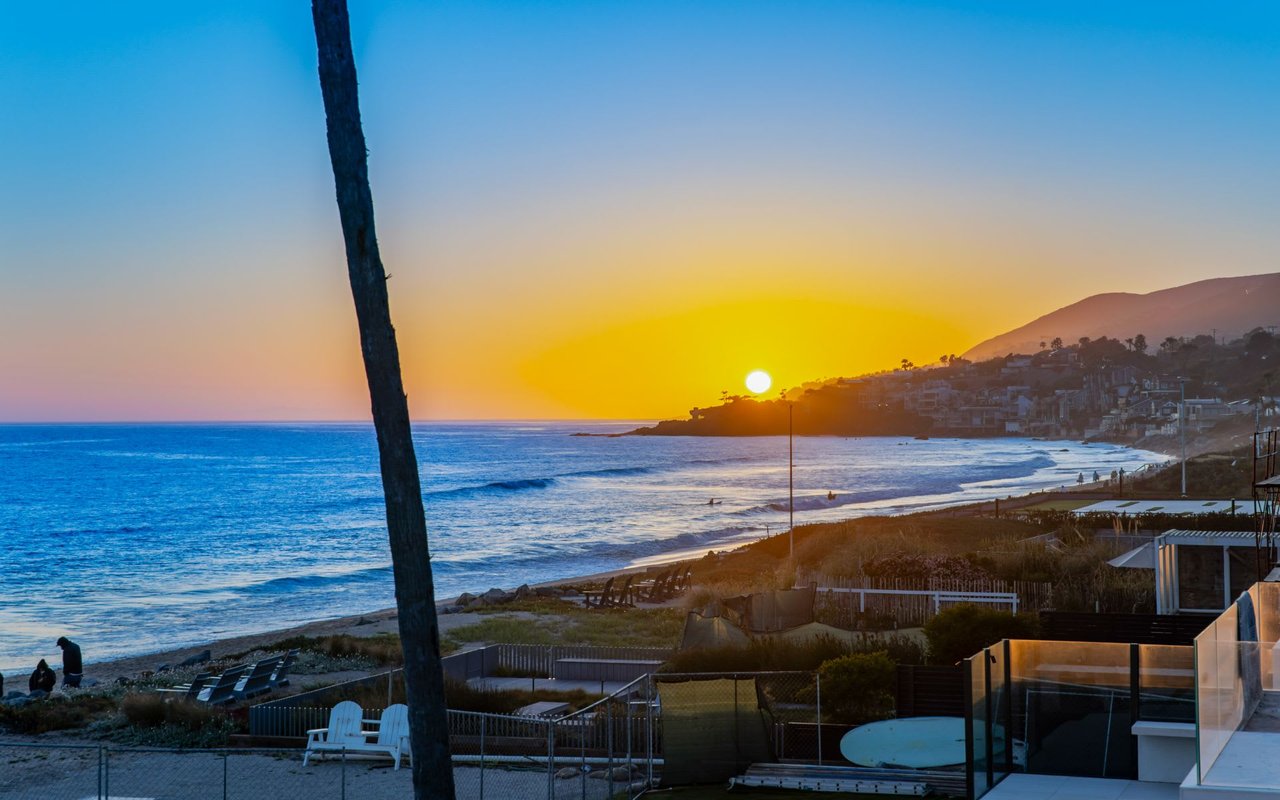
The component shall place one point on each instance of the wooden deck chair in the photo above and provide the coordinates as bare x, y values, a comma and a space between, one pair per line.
223, 688
190, 691
281, 675
258, 679
343, 734
392, 733
602, 598
624, 595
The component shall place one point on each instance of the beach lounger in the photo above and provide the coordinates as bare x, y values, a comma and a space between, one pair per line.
190, 691
223, 689
624, 595
658, 590
603, 598
281, 676
392, 734
258, 680
343, 734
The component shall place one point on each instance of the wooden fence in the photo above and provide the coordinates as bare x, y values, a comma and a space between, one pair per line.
881, 603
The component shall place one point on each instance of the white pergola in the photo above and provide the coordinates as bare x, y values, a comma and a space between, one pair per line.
1168, 566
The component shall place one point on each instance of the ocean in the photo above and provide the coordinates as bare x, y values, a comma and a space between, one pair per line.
133, 538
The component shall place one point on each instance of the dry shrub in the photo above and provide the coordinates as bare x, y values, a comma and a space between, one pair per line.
55, 713
151, 710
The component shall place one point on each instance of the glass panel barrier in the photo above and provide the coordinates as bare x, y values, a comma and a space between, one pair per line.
978, 721
999, 706
1166, 683
1219, 692
1240, 750
1071, 707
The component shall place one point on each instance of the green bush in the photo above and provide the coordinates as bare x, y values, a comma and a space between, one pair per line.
858, 688
958, 632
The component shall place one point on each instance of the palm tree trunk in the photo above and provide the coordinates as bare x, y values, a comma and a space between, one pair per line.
406, 522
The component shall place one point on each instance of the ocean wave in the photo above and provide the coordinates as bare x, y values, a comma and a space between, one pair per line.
99, 531
288, 584
609, 472
495, 486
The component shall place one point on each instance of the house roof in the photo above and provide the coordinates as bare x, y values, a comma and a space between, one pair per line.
1211, 538
1176, 506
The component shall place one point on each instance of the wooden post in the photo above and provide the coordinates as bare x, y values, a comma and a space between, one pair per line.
402, 490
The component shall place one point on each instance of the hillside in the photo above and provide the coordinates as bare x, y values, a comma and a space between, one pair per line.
1231, 305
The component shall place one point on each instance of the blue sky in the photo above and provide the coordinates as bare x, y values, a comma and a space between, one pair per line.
168, 242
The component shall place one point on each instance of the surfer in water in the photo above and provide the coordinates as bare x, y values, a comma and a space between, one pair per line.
831, 496
713, 502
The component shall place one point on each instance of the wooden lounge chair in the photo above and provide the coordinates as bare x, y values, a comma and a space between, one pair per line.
391, 735
603, 598
281, 675
658, 591
258, 680
624, 595
342, 735
223, 689
190, 691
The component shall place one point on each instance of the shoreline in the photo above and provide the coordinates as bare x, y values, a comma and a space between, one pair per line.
384, 620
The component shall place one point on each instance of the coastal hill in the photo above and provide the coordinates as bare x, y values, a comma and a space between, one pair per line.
1223, 304
1108, 389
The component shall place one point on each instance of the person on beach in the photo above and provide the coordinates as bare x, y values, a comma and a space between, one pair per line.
43, 678
72, 665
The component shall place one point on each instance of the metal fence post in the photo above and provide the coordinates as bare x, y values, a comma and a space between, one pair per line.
817, 678
608, 742
649, 698
483, 720
224, 774
106, 774
551, 759
343, 790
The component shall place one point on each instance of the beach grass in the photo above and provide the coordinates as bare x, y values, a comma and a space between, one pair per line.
557, 622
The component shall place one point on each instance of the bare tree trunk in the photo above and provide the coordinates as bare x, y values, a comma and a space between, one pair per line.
406, 522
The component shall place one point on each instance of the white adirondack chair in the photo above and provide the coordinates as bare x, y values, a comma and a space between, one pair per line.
392, 733
343, 733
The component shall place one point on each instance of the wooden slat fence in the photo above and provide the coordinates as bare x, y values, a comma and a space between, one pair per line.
1032, 595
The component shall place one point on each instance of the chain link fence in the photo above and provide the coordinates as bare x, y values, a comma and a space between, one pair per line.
612, 748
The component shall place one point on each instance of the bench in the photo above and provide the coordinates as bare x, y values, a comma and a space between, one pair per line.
544, 708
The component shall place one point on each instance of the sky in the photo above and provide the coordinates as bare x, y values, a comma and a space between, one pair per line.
603, 210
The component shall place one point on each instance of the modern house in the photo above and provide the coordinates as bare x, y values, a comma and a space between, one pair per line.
1090, 720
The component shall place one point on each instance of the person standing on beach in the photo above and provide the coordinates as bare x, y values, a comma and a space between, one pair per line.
43, 678
72, 665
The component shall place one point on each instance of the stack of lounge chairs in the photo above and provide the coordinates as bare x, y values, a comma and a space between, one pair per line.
350, 734
238, 683
668, 584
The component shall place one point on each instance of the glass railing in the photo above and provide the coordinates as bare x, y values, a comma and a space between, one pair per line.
1166, 683
1238, 689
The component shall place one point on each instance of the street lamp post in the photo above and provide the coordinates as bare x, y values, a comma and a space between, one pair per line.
791, 486
1182, 429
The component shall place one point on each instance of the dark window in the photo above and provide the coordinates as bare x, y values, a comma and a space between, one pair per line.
1200, 578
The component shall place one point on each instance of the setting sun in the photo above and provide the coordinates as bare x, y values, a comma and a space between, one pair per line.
759, 381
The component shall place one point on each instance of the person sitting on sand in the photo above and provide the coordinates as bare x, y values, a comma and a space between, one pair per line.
43, 679
72, 665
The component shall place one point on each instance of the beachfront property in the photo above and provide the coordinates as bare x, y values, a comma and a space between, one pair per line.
1106, 720
1197, 571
